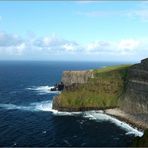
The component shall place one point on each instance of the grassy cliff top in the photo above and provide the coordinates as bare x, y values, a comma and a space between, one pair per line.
112, 68
101, 91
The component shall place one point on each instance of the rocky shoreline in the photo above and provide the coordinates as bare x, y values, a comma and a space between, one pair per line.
115, 112
128, 118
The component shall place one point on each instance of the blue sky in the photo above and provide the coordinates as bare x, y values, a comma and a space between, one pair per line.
74, 30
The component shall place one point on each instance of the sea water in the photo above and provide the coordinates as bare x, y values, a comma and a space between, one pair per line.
27, 117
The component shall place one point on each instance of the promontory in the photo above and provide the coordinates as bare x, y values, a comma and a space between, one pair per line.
121, 91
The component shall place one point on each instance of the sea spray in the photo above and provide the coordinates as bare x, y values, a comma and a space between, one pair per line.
98, 116
43, 89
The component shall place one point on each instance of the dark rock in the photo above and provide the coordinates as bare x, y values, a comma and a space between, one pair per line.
58, 87
135, 98
141, 141
76, 77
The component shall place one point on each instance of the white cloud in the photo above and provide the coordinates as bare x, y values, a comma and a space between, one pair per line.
11, 45
100, 46
121, 47
55, 44
20, 49
128, 44
70, 47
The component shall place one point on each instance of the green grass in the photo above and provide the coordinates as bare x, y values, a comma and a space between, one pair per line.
112, 68
102, 91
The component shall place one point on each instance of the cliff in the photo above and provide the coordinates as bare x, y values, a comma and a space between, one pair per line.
95, 89
135, 99
123, 86
72, 79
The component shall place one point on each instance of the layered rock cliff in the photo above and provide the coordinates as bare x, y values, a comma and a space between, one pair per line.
135, 99
73, 79
95, 89
123, 87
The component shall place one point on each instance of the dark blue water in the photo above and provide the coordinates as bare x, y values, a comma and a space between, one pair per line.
25, 109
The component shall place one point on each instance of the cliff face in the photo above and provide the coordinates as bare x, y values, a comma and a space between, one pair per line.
76, 77
125, 87
91, 90
135, 98
72, 80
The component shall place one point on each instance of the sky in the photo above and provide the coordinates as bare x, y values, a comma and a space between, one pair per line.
74, 30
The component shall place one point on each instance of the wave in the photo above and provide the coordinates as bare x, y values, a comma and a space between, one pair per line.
15, 107
36, 106
99, 116
43, 89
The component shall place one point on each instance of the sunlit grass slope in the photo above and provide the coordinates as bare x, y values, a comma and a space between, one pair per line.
102, 91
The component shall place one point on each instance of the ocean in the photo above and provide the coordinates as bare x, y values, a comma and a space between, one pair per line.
28, 120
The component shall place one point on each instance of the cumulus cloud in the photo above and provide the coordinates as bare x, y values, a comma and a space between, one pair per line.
12, 44
55, 44
9, 39
121, 47
128, 46
100, 46
71, 47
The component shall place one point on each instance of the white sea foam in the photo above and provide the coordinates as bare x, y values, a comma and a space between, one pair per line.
43, 89
103, 117
13, 106
99, 116
43, 106
36, 106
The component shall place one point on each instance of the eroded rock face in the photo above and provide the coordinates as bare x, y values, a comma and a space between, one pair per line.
135, 99
70, 78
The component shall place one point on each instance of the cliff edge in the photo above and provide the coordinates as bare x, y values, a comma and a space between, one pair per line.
94, 89
134, 100
124, 88
72, 79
